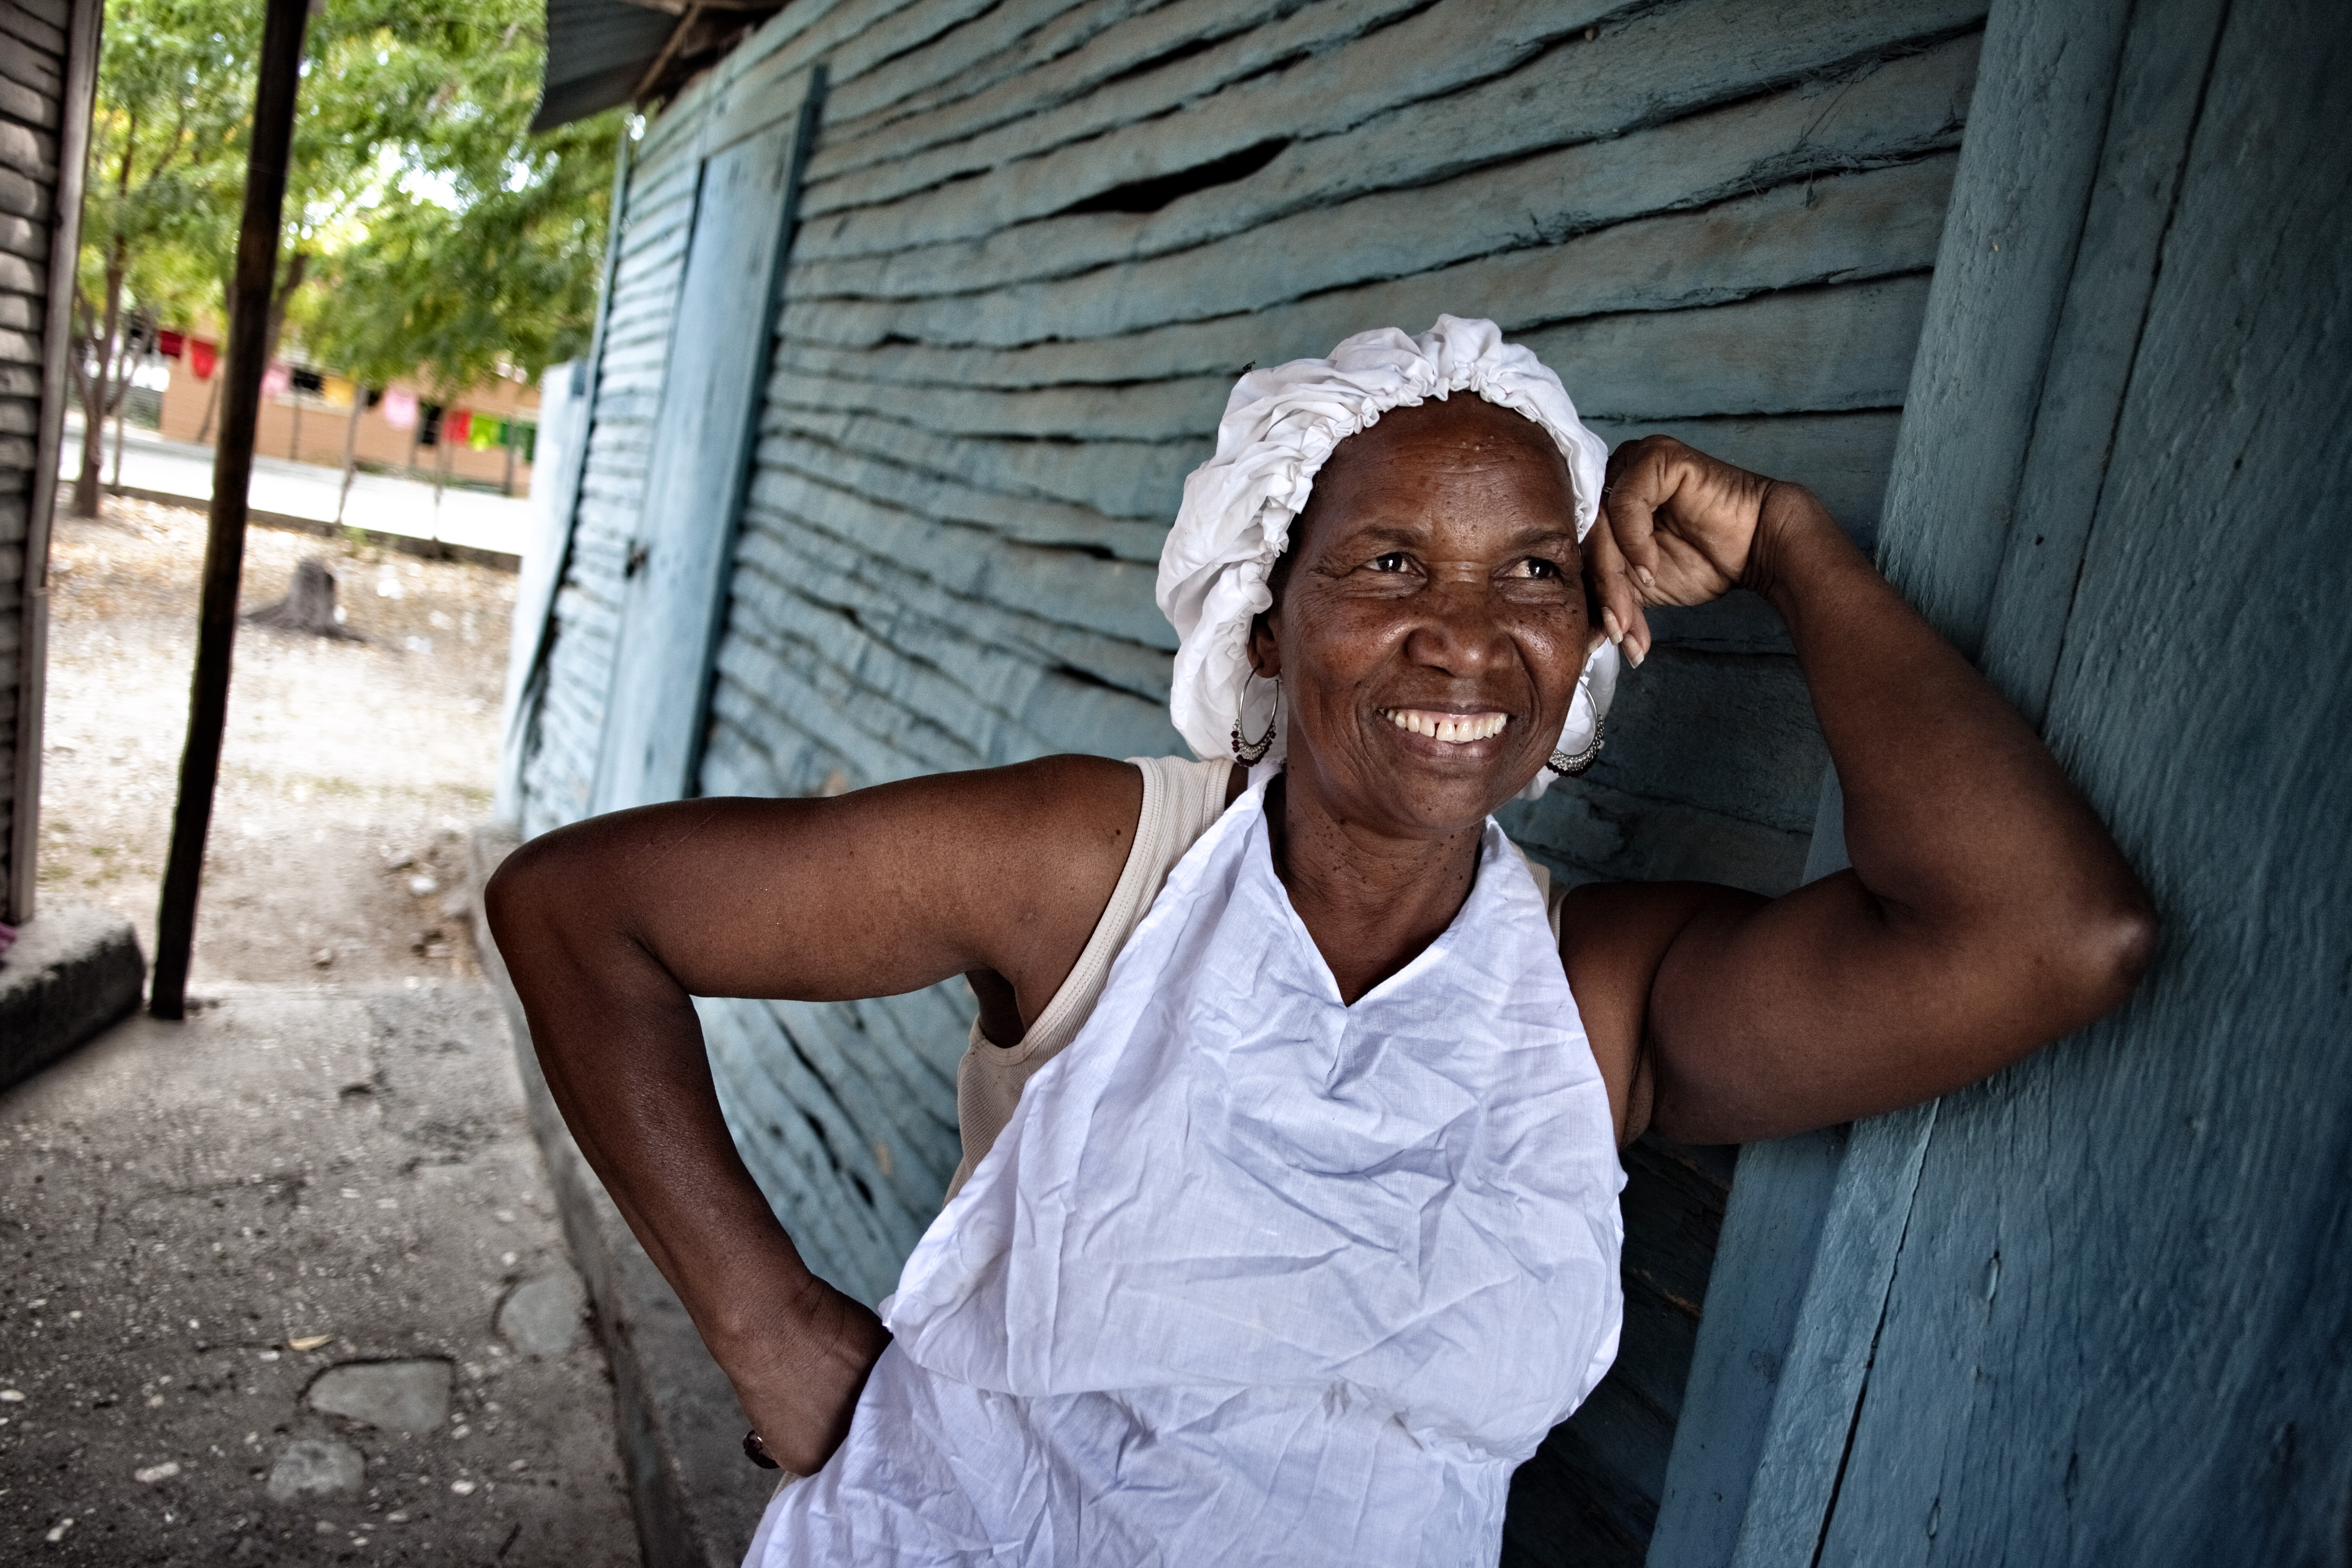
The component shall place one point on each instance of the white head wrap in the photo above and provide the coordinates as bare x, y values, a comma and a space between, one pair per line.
1280, 428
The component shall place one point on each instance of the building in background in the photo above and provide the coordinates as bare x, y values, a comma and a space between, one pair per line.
492, 429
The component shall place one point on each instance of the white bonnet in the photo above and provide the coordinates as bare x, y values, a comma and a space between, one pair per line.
1280, 425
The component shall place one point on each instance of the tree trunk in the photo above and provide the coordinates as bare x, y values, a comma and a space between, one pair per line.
507, 485
122, 417
298, 264
309, 605
212, 402
94, 383
351, 450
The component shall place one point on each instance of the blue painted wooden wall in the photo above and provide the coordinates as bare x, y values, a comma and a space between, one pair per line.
1037, 239
2097, 1310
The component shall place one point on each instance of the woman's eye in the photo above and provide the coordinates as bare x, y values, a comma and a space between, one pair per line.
1392, 561
1536, 567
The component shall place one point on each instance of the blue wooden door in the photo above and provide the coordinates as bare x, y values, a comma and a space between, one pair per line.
2097, 1310
678, 563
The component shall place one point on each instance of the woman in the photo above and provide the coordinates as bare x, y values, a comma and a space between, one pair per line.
1310, 1232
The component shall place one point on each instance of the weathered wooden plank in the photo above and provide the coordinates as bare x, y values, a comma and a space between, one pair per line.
23, 26
1657, 66
946, 498
1113, 597
38, 70
1589, 832
21, 102
24, 275
29, 151
1099, 88
1119, 478
1003, 42
759, 93
701, 451
2008, 245
2140, 1236
1806, 351
780, 686
22, 238
912, 691
1906, 108
2157, 93
1117, 662
1836, 228
24, 197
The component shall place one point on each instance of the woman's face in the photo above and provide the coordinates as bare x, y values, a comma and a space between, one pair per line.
1430, 621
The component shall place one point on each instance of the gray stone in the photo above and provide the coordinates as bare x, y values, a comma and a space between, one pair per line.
73, 970
398, 1395
543, 1316
312, 1468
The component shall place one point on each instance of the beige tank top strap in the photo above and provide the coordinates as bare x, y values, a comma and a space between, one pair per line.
1182, 799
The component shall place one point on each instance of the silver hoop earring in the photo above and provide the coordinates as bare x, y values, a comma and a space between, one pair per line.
1567, 766
1249, 754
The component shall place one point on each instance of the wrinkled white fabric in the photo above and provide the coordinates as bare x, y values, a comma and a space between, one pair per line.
1252, 1276
1280, 427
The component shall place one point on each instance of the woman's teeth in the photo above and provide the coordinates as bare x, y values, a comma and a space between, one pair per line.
1447, 726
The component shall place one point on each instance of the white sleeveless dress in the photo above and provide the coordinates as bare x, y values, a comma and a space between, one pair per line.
1252, 1276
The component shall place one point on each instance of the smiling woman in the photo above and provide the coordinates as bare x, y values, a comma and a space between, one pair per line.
1288, 1221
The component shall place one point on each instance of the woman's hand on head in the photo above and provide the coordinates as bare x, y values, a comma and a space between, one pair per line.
798, 1378
1677, 527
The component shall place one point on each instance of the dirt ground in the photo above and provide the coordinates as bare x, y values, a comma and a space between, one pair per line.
350, 771
284, 1284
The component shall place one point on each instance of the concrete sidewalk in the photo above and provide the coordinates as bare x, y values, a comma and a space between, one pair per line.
285, 1285
379, 503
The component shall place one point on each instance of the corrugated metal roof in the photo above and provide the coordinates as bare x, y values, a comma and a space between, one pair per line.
603, 53
597, 52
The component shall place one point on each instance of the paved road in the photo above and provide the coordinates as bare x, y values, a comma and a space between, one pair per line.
379, 502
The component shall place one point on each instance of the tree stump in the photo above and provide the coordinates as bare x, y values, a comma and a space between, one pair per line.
309, 605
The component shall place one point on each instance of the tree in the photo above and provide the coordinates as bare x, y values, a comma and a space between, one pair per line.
167, 156
424, 229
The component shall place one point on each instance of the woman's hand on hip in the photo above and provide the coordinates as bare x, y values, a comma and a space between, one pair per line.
799, 1378
1677, 527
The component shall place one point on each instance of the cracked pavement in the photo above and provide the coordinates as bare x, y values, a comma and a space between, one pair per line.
201, 1221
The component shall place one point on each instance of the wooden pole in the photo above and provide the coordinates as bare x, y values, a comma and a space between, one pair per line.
351, 450
248, 333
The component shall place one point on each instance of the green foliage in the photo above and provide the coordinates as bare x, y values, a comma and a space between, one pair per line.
424, 230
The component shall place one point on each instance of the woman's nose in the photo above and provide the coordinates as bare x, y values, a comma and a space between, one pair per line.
1457, 627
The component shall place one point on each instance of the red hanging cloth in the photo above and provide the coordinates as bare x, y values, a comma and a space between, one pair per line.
171, 344
458, 425
202, 357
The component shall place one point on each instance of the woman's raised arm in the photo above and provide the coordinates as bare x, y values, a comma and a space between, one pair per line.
1987, 911
610, 926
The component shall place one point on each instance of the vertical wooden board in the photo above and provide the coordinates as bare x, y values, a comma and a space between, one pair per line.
2009, 236
2157, 1375
680, 556
2160, 86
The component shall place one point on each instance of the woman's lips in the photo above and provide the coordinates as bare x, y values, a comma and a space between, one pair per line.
1457, 728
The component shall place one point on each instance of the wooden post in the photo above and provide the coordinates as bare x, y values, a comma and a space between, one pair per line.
256, 269
351, 450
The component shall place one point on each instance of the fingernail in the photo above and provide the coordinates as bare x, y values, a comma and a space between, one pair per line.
1609, 624
1633, 656
1642, 574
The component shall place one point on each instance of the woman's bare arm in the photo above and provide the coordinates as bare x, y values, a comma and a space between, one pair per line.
1987, 911
608, 927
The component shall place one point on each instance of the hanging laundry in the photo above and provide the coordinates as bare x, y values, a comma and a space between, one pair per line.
202, 357
276, 379
485, 434
398, 408
458, 426
171, 344
336, 392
